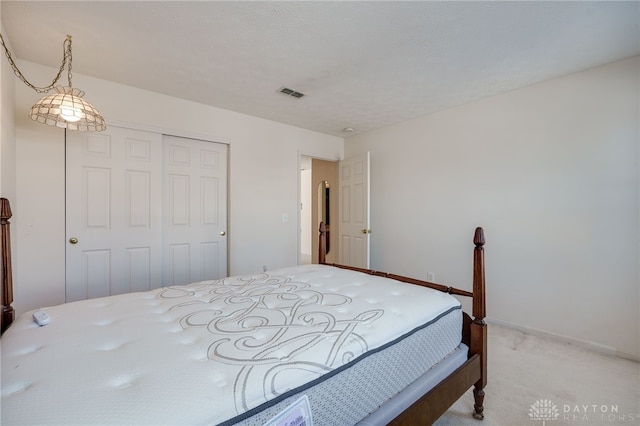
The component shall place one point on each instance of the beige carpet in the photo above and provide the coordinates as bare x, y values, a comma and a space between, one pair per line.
537, 381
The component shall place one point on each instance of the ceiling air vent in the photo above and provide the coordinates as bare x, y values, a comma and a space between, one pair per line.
291, 92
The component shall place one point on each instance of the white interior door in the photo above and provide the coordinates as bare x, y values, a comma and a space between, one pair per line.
113, 229
353, 246
195, 220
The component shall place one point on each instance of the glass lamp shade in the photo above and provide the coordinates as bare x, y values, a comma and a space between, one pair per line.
68, 110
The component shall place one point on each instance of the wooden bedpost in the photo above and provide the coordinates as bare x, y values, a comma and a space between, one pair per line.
322, 244
478, 326
8, 314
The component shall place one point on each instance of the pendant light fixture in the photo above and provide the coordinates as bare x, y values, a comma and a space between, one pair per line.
66, 108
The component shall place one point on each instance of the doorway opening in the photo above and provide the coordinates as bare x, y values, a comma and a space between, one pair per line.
318, 203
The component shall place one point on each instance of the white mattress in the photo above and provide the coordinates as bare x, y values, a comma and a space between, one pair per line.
203, 353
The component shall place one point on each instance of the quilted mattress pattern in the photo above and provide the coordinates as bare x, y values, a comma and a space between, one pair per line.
202, 353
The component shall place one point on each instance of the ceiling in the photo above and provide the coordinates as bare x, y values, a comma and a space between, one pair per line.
361, 64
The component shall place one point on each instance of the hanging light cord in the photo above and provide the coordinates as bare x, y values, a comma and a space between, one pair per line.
66, 60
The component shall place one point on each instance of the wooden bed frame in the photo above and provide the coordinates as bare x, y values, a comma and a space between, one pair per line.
425, 410
8, 314
473, 372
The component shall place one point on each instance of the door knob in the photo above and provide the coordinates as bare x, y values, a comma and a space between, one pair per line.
223, 233
73, 240
365, 231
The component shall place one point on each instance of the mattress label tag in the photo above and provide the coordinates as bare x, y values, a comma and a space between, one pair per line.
296, 414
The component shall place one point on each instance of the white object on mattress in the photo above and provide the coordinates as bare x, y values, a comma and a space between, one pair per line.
201, 353
41, 318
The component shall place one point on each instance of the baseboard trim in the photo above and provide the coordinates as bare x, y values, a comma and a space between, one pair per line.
596, 347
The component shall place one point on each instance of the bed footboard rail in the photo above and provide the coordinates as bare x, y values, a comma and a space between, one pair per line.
8, 314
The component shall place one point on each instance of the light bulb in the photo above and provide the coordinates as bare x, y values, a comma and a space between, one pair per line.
70, 113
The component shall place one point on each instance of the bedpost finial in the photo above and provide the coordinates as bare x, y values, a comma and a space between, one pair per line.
478, 238
5, 209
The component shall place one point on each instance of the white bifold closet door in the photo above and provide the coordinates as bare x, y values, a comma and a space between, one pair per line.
143, 211
195, 210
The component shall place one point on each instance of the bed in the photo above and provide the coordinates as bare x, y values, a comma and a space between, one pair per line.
340, 345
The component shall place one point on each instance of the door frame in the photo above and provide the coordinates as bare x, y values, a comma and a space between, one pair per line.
335, 159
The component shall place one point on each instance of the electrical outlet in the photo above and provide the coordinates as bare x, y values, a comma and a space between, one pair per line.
431, 276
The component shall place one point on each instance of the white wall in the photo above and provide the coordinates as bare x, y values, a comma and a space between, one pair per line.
551, 173
7, 128
263, 179
7, 134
